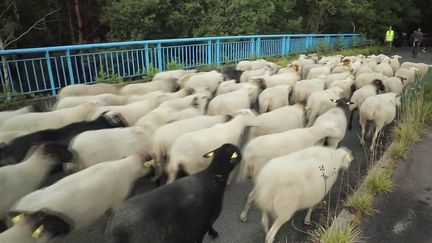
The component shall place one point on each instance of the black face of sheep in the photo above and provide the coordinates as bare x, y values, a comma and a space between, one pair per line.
342, 103
115, 119
379, 84
183, 211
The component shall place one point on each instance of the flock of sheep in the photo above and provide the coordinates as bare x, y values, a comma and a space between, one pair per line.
202, 124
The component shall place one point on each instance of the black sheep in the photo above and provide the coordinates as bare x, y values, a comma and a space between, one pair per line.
17, 149
183, 211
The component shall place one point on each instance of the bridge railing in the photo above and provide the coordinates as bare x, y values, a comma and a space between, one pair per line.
47, 69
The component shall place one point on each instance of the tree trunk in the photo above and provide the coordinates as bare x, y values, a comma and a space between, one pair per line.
79, 22
6, 80
70, 23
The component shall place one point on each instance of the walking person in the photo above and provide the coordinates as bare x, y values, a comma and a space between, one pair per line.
416, 37
389, 37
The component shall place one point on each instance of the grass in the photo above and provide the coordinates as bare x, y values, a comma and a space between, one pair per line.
379, 181
343, 234
362, 204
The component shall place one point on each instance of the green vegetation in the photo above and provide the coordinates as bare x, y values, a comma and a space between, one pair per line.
378, 181
150, 73
174, 65
362, 204
104, 77
337, 234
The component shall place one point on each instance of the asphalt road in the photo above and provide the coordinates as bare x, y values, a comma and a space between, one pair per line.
231, 230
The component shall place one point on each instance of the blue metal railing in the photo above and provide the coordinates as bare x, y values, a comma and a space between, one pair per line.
47, 69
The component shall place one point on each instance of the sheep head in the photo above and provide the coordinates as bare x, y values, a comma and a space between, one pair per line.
379, 85
223, 160
342, 103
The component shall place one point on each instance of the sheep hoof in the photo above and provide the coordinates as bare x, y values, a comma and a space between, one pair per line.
307, 222
243, 217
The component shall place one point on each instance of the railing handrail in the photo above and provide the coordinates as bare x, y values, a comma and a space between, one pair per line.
162, 41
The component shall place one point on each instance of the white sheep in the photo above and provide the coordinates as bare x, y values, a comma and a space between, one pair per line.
173, 74
306, 67
364, 68
327, 59
5, 115
294, 182
344, 66
335, 76
86, 89
227, 104
166, 135
321, 101
257, 64
304, 88
394, 63
187, 151
289, 78
156, 95
82, 198
274, 97
147, 87
35, 121
422, 67
367, 78
248, 75
203, 80
20, 179
291, 117
290, 68
381, 109
393, 84
345, 84
6, 137
407, 74
228, 86
324, 70
385, 68
102, 100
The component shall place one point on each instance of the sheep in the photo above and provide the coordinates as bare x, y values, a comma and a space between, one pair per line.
422, 67
248, 75
5, 115
290, 68
346, 85
209, 80
360, 95
273, 98
121, 142
407, 74
230, 72
275, 145
38, 227
243, 98
102, 100
32, 121
393, 84
187, 101
345, 66
385, 68
80, 199
85, 89
367, 78
336, 76
257, 64
228, 86
336, 118
173, 74
292, 117
20, 179
335, 58
163, 96
186, 152
304, 88
289, 78
17, 149
165, 135
7, 137
170, 85
381, 109
394, 63
372, 62
306, 67
321, 101
318, 71
364, 68
293, 182
183, 211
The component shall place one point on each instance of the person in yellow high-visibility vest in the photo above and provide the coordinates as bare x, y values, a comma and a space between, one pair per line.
389, 37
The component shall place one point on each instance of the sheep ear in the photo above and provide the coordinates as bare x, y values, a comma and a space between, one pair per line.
333, 100
349, 103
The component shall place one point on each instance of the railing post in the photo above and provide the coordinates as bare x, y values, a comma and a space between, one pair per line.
159, 55
147, 57
50, 75
288, 45
343, 41
253, 47
327, 39
69, 63
209, 52
258, 47
283, 46
307, 42
218, 54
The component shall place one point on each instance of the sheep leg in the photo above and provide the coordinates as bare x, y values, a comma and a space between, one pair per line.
265, 221
377, 130
363, 126
243, 215
213, 233
307, 220
333, 142
274, 229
